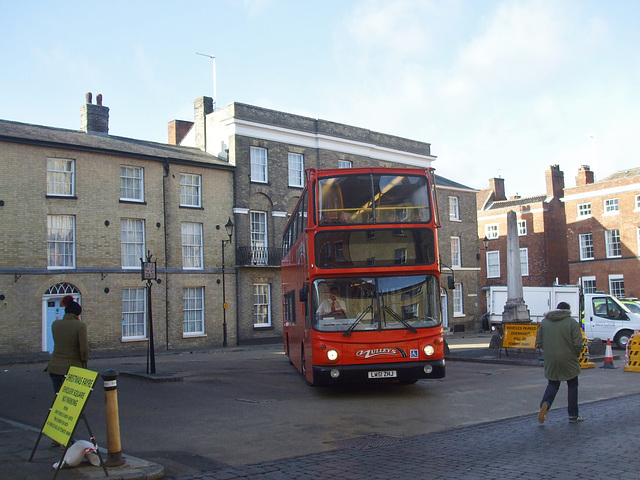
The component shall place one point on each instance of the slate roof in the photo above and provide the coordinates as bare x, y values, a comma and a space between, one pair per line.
627, 173
445, 182
516, 202
101, 143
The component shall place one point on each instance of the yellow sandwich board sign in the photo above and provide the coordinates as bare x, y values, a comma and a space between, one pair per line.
69, 404
519, 335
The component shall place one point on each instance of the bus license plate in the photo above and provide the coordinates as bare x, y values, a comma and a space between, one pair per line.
383, 374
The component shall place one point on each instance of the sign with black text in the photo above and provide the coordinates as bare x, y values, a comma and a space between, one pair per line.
69, 404
519, 335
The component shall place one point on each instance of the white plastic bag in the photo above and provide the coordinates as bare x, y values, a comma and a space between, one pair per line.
76, 453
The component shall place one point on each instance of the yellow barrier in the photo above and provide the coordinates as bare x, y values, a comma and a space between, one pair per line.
633, 348
585, 362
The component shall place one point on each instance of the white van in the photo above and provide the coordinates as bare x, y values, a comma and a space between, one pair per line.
605, 317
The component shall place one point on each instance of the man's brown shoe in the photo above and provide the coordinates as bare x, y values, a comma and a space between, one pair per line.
542, 414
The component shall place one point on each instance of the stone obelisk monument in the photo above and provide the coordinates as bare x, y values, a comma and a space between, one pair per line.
515, 310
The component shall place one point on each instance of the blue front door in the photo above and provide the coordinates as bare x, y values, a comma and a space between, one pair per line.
54, 312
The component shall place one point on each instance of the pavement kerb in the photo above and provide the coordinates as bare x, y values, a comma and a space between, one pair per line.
18, 443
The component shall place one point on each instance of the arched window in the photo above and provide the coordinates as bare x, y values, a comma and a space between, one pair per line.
62, 289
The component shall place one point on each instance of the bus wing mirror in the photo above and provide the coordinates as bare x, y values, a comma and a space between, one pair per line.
304, 293
451, 282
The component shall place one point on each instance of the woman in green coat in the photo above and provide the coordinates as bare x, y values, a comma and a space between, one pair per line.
560, 338
70, 343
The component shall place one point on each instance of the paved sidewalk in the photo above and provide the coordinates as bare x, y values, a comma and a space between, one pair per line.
17, 442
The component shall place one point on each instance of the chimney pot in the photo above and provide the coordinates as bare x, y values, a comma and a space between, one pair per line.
99, 99
88, 97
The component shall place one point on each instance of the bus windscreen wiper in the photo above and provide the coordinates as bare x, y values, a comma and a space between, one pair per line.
357, 321
399, 319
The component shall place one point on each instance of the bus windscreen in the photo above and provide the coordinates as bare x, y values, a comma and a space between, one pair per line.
375, 303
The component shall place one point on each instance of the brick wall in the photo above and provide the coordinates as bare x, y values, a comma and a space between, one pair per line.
98, 274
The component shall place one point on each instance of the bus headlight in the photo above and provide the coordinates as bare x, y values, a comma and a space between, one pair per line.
429, 350
332, 355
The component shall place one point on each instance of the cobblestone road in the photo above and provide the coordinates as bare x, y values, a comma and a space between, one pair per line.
605, 446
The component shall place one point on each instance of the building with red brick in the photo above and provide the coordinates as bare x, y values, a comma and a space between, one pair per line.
603, 232
541, 233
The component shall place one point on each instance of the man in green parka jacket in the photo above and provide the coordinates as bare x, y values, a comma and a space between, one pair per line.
560, 338
70, 343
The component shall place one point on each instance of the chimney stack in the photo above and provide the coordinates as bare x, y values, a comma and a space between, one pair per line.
555, 182
497, 185
94, 118
202, 106
178, 129
585, 176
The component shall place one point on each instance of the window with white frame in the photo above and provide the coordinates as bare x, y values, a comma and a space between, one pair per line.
493, 264
190, 190
612, 243
616, 285
61, 241
456, 255
610, 206
345, 164
524, 262
259, 172
584, 210
585, 241
458, 300
193, 311
61, 177
522, 228
400, 256
491, 231
131, 242
454, 208
296, 170
192, 246
132, 184
262, 305
588, 284
134, 309
259, 253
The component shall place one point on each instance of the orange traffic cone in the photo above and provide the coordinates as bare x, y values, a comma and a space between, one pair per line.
608, 356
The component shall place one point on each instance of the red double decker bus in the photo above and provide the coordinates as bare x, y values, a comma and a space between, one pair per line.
361, 279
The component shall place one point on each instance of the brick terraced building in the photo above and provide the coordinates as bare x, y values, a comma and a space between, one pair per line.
79, 208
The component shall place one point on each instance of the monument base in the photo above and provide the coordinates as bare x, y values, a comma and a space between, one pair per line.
515, 313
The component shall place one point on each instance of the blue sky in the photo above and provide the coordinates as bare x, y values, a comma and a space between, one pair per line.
499, 88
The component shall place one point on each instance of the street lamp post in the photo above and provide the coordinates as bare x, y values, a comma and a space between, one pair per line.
149, 274
229, 228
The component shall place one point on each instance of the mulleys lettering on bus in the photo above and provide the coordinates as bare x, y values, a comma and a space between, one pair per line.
377, 351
